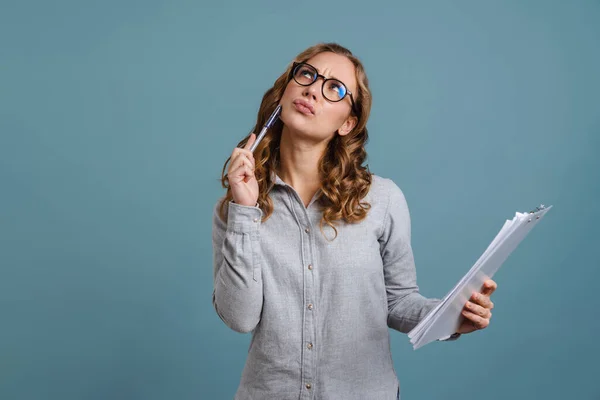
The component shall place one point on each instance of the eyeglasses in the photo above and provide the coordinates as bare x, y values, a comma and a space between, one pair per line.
333, 90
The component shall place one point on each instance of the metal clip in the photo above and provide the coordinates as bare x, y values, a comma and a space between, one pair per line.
540, 208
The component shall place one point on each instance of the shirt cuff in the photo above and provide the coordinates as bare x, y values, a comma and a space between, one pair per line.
244, 219
243, 206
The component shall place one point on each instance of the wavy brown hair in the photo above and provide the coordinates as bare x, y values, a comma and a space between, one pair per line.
344, 180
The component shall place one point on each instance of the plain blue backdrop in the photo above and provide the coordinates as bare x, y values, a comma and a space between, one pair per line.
116, 118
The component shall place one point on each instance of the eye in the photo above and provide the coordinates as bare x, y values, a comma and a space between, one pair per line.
338, 88
306, 73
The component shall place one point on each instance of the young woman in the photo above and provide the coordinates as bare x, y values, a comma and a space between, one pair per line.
312, 252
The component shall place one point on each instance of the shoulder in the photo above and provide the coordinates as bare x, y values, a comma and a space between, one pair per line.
388, 203
393, 207
385, 190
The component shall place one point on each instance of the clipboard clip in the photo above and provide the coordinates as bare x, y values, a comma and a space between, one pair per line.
537, 209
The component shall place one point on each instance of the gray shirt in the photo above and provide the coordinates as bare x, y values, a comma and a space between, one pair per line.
318, 309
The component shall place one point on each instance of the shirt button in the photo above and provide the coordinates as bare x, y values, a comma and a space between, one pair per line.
310, 346
310, 267
310, 306
308, 385
307, 230
255, 219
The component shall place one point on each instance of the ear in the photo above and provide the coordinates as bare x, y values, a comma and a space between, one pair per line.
348, 125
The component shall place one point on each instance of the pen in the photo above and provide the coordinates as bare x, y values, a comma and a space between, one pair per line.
268, 124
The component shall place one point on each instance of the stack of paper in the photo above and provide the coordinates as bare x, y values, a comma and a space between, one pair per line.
445, 319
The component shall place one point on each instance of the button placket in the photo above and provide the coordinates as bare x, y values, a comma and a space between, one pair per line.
308, 329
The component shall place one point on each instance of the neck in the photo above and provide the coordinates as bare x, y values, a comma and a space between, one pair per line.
299, 162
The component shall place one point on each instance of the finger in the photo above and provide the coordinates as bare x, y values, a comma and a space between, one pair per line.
482, 300
477, 309
249, 157
248, 172
250, 141
489, 287
237, 152
238, 159
247, 167
238, 170
242, 174
234, 164
241, 164
241, 156
234, 155
477, 321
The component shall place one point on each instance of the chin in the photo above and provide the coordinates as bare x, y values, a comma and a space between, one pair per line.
295, 121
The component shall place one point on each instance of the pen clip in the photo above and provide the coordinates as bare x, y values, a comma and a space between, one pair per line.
273, 116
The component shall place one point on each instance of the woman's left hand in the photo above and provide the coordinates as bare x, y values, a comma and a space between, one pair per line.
478, 310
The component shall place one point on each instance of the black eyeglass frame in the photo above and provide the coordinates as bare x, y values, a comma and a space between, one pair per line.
316, 76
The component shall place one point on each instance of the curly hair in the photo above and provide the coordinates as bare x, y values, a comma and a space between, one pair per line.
344, 180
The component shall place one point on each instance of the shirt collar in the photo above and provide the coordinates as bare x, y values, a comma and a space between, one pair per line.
278, 181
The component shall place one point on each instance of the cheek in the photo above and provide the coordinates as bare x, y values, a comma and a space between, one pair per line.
286, 100
291, 91
333, 116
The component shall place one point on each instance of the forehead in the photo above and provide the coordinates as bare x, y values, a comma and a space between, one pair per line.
335, 66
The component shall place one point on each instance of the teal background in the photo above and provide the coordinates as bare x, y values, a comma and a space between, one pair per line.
116, 119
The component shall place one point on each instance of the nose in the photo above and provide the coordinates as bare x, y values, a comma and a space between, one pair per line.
312, 90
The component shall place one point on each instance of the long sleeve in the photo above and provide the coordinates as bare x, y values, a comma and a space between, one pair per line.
406, 306
237, 280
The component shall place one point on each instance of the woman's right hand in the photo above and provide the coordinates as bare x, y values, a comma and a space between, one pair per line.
243, 183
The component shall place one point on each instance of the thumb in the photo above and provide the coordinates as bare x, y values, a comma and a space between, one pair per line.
489, 286
250, 141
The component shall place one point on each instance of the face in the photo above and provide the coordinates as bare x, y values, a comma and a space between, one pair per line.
305, 111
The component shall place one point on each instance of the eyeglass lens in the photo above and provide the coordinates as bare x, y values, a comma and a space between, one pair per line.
333, 90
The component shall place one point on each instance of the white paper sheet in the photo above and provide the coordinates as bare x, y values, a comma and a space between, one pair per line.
445, 319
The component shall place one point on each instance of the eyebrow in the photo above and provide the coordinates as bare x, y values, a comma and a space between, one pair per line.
333, 77
329, 77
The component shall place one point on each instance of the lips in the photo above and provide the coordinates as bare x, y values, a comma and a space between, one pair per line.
304, 107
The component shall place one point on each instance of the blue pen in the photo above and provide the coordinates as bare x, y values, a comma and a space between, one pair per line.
268, 124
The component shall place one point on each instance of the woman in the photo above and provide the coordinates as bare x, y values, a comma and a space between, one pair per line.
318, 301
